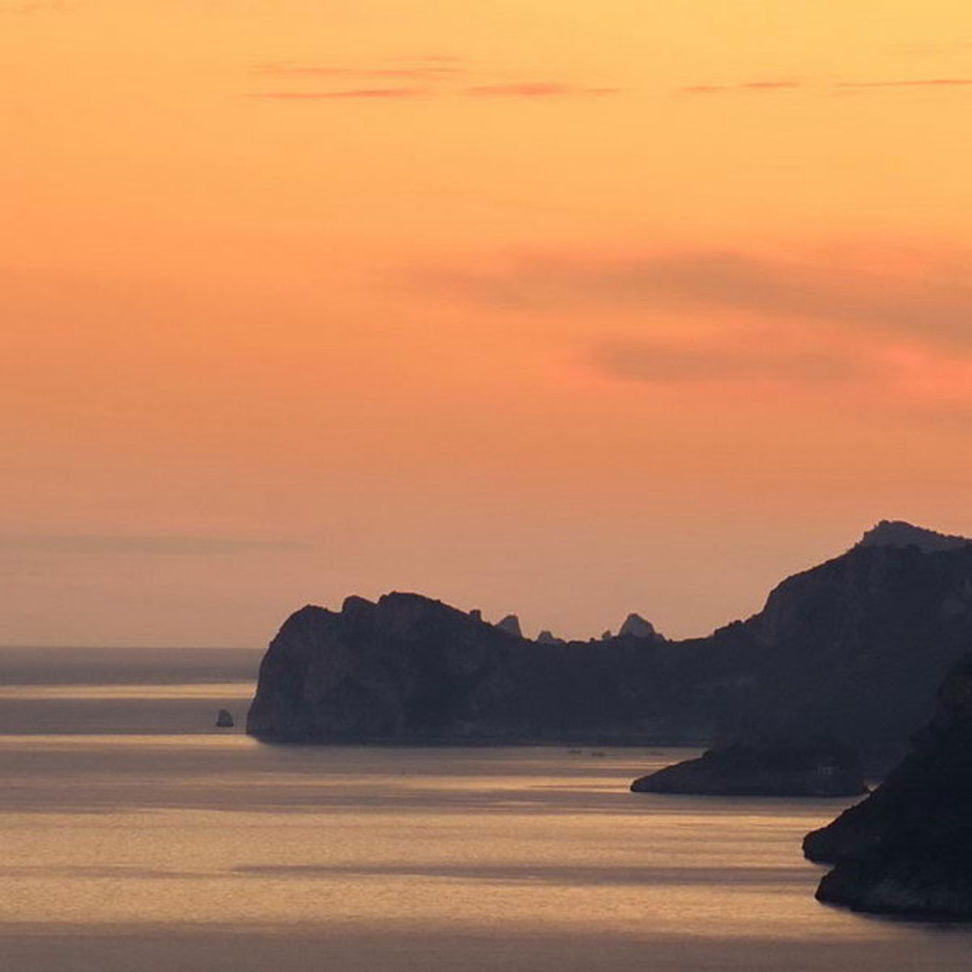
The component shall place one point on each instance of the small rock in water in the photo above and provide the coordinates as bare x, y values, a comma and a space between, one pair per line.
224, 719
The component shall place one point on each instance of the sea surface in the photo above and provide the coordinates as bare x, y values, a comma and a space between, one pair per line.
136, 837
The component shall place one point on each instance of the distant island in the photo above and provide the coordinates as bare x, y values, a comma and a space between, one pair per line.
853, 648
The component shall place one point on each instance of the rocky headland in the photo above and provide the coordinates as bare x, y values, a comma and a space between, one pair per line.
907, 849
411, 669
853, 648
816, 768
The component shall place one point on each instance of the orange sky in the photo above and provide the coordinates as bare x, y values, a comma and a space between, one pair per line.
568, 309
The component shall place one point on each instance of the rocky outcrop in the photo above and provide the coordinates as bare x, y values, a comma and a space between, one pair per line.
854, 648
907, 848
898, 533
511, 625
549, 638
817, 768
635, 626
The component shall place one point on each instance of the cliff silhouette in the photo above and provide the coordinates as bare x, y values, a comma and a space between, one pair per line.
907, 848
853, 648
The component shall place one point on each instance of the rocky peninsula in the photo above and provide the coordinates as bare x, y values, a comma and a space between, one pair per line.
907, 848
818, 768
411, 669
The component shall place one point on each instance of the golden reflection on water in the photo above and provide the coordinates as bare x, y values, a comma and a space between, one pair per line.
522, 838
191, 853
134, 837
572, 871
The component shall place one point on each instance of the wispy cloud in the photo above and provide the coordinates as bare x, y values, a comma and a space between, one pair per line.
934, 305
346, 93
422, 72
911, 83
155, 545
770, 85
661, 363
528, 90
535, 89
783, 86
444, 75
746, 86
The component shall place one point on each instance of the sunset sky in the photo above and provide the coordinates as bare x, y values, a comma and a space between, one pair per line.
563, 308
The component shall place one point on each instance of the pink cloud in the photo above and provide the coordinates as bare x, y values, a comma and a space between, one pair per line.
931, 306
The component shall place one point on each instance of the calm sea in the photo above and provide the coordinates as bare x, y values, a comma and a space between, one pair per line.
135, 837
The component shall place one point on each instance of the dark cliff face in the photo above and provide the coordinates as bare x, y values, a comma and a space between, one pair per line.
907, 848
856, 647
374, 671
853, 648
410, 669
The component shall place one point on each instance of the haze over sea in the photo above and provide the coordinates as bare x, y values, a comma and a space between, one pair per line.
134, 836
